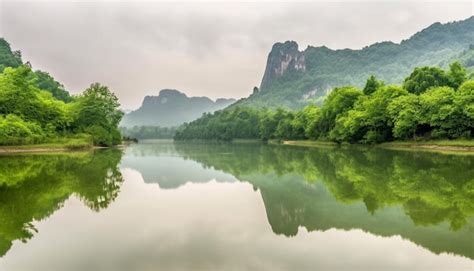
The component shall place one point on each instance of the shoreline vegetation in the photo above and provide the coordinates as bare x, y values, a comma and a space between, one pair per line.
38, 113
57, 147
455, 146
433, 109
432, 105
451, 146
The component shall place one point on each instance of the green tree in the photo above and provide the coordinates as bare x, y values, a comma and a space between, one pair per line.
98, 107
464, 103
423, 78
404, 112
372, 85
439, 112
44, 81
311, 117
390, 112
457, 74
8, 58
369, 121
338, 102
20, 97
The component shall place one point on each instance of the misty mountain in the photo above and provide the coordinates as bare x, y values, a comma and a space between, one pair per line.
294, 78
171, 108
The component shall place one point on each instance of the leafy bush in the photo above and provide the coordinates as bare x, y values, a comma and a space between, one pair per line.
16, 131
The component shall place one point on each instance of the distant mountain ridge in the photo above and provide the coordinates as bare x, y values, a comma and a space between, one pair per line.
294, 78
172, 108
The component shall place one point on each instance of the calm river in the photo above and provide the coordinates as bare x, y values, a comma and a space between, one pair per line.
160, 205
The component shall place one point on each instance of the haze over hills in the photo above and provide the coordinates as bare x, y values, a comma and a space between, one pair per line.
172, 108
294, 78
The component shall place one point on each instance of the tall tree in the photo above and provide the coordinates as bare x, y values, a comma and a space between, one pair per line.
98, 113
372, 85
457, 74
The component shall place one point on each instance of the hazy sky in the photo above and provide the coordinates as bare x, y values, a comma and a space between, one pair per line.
215, 49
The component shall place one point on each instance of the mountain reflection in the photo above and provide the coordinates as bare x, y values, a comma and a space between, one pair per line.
33, 187
424, 197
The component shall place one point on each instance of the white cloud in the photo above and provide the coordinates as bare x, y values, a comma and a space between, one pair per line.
215, 49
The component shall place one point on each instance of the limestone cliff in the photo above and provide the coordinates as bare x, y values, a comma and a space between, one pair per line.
282, 58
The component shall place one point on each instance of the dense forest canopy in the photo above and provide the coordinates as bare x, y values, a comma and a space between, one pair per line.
35, 108
431, 103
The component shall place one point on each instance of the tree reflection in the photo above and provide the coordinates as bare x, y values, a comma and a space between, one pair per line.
32, 187
425, 197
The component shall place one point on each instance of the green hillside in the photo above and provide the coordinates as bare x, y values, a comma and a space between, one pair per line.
295, 78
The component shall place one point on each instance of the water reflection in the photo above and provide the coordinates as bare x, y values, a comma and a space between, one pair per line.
424, 197
158, 162
195, 202
32, 187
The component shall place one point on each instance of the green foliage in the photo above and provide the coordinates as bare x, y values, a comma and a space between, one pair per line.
223, 125
424, 78
310, 116
372, 85
15, 131
41, 80
20, 97
438, 111
96, 112
30, 115
457, 74
424, 197
421, 108
326, 68
338, 102
8, 58
44, 81
368, 121
33, 187
404, 112
465, 101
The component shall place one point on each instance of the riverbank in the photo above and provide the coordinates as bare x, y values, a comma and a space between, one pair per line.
459, 145
57, 145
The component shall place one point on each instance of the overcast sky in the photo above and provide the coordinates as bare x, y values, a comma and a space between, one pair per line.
213, 49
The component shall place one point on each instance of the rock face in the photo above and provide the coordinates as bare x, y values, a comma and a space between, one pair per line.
172, 108
282, 58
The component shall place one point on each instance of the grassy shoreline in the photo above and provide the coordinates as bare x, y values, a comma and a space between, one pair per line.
56, 145
458, 146
47, 147
80, 144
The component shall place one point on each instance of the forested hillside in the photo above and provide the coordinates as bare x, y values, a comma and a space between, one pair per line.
296, 78
431, 103
35, 108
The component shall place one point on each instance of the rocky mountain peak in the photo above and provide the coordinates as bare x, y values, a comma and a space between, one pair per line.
283, 57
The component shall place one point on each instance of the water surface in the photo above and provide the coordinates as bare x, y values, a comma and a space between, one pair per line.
164, 206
